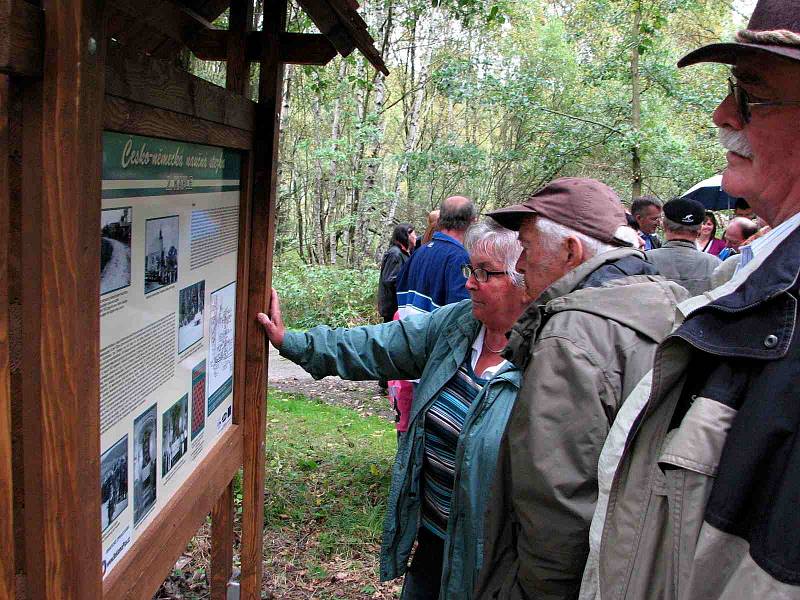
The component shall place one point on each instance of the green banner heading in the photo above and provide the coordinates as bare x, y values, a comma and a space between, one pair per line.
128, 156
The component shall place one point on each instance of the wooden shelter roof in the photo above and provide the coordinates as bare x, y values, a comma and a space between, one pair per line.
162, 28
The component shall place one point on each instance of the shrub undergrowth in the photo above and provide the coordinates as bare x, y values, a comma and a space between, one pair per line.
314, 295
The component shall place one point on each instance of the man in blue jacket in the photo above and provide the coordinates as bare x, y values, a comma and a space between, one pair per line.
432, 277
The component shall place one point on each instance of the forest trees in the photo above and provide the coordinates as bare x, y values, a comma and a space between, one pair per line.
491, 100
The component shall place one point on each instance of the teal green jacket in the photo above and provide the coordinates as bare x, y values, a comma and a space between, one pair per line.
429, 347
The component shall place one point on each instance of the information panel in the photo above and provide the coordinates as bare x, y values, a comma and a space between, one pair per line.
169, 236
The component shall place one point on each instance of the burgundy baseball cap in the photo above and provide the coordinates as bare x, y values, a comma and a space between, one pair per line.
779, 17
583, 204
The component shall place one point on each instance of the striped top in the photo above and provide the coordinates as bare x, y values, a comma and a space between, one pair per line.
444, 421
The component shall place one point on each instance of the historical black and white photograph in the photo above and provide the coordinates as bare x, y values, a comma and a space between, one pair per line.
113, 482
191, 301
145, 452
161, 252
175, 434
115, 249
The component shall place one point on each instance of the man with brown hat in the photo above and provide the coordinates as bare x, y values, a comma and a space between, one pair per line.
583, 345
701, 477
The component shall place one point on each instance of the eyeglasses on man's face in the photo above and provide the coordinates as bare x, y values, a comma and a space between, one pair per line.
744, 102
480, 275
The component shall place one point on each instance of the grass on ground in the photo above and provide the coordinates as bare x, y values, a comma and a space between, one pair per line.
328, 475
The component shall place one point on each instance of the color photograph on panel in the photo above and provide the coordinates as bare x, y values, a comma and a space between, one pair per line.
198, 398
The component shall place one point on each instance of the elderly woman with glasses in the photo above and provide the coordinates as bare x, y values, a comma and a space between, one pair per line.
465, 394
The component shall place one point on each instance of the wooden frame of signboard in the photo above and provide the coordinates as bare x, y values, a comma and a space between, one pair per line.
61, 86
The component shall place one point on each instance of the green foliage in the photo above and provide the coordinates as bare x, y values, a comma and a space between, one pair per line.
329, 466
488, 99
314, 295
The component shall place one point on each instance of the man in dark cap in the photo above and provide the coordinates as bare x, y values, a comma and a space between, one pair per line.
679, 259
742, 209
701, 478
583, 345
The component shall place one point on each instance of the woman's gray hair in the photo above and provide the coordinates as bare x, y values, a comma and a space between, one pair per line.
497, 242
554, 233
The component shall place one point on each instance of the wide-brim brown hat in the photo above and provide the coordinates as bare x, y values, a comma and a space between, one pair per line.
582, 204
774, 29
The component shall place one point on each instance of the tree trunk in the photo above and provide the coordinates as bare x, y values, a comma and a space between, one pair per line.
333, 176
319, 191
422, 40
366, 205
636, 103
363, 207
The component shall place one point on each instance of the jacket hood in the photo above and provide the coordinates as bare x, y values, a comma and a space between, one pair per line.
644, 303
603, 286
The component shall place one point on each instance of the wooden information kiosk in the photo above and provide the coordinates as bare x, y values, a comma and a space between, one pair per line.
136, 230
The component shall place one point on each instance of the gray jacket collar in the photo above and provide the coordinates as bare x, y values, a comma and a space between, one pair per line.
521, 335
680, 244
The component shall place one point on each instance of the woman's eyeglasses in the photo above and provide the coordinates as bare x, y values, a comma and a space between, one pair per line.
480, 275
743, 102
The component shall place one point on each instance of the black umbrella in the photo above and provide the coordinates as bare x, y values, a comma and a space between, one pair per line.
710, 194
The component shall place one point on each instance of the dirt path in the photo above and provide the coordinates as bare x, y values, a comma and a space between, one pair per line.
362, 396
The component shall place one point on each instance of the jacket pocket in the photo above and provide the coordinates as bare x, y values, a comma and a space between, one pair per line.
689, 461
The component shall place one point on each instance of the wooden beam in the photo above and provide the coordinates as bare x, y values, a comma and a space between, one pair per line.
141, 119
237, 72
296, 48
157, 83
237, 80
265, 178
222, 544
61, 303
21, 43
327, 21
170, 19
16, 141
306, 49
7, 567
150, 559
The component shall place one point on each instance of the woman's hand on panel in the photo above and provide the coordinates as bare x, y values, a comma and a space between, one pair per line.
273, 322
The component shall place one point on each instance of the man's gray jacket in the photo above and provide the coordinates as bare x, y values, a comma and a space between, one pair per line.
680, 261
583, 345
703, 497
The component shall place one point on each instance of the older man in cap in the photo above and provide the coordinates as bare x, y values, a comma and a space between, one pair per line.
584, 344
679, 259
701, 477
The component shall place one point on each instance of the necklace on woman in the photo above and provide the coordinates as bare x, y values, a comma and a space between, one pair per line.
498, 351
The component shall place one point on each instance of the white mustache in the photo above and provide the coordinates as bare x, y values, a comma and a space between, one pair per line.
735, 141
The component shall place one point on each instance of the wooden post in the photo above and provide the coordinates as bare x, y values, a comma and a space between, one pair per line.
61, 262
237, 81
237, 70
265, 172
6, 471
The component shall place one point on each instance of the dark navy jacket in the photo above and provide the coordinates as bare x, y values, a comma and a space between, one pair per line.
748, 357
432, 276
